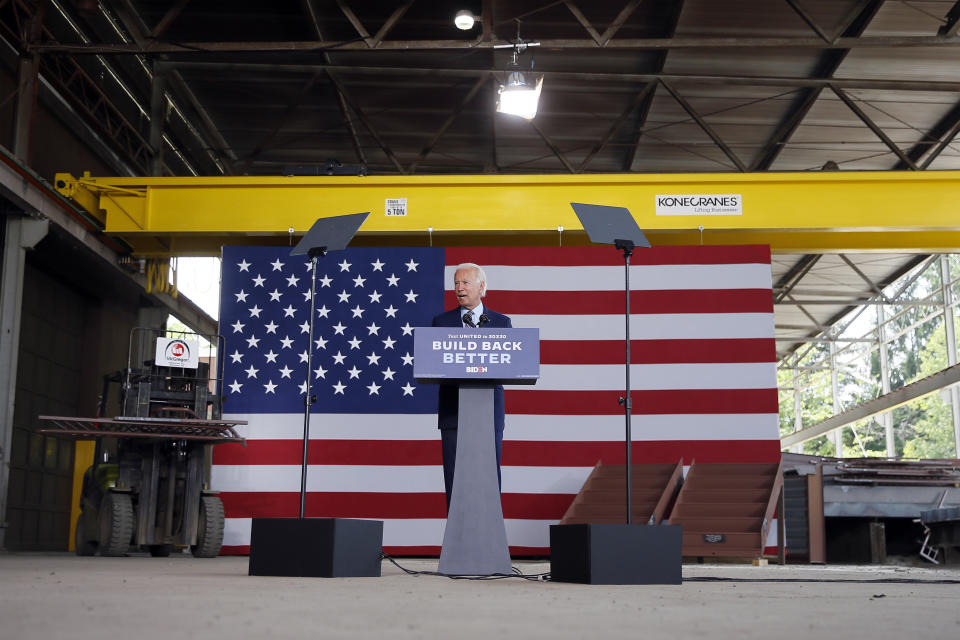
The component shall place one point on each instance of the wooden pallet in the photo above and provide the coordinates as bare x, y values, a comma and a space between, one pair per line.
602, 499
726, 510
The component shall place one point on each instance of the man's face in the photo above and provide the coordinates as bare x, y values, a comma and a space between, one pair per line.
466, 284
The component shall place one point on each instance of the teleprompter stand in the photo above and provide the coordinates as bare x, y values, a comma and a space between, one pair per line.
475, 537
317, 547
616, 553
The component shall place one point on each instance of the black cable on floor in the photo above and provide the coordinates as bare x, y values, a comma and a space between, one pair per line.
533, 577
828, 580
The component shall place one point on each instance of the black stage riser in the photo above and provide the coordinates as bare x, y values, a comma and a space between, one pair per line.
616, 553
315, 547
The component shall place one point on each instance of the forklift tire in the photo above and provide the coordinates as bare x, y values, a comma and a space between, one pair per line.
116, 524
161, 550
83, 546
209, 528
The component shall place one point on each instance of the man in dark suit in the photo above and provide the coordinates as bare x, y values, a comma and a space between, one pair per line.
469, 285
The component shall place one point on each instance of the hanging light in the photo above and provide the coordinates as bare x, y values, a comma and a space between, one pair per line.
520, 94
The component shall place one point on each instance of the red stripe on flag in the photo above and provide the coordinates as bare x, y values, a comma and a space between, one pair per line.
658, 351
515, 452
612, 302
604, 256
531, 506
658, 402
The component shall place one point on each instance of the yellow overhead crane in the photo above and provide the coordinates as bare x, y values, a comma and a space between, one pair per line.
804, 212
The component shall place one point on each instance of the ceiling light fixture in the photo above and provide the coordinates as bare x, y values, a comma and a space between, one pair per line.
520, 93
464, 20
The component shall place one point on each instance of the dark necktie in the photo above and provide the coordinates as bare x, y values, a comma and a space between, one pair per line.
468, 320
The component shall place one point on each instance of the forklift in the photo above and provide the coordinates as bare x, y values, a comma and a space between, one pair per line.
148, 487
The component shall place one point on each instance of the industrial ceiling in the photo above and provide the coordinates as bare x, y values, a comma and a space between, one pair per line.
244, 87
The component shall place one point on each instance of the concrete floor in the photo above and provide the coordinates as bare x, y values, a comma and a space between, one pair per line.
60, 595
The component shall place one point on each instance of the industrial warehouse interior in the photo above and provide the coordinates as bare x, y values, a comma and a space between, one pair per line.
779, 423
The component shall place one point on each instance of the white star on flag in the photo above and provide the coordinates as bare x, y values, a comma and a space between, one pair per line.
244, 265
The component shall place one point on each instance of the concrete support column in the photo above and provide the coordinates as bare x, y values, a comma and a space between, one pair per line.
886, 418
835, 392
948, 323
22, 233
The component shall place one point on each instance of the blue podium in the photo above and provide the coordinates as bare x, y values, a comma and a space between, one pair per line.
476, 360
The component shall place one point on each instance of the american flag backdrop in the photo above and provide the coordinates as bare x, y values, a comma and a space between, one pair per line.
703, 376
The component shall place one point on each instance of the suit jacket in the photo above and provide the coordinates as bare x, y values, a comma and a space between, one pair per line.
449, 399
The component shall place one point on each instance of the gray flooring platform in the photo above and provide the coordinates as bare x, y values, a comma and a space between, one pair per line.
59, 595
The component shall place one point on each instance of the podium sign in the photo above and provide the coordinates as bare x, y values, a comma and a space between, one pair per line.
476, 360
495, 356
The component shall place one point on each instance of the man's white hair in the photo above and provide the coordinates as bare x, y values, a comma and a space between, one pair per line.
481, 274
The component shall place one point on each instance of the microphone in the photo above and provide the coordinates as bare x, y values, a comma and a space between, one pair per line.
468, 320
484, 319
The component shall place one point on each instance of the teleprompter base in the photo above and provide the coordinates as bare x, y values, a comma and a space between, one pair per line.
615, 553
315, 547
